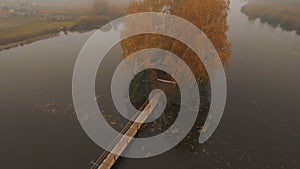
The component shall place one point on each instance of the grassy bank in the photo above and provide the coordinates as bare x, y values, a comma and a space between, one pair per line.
33, 30
53, 18
28, 30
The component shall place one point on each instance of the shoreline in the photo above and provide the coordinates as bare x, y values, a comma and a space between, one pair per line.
43, 37
27, 41
50, 29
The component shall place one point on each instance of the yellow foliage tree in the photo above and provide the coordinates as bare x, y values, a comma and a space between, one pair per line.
208, 15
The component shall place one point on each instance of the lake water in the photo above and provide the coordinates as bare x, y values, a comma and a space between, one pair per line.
259, 129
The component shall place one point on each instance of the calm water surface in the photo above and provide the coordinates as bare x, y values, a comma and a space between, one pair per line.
260, 127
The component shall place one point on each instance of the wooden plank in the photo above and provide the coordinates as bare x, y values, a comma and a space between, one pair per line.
167, 81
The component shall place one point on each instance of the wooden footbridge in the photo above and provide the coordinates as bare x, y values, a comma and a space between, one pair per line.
119, 144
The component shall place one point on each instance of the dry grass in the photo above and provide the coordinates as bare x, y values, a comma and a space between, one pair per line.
31, 30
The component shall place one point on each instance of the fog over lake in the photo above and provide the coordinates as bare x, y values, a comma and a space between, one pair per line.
259, 129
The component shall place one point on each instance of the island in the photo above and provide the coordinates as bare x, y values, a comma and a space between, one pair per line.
283, 13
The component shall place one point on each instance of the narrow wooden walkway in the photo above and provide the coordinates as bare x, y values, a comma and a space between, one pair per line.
108, 159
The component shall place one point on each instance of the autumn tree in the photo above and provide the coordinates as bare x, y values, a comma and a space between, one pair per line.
208, 15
